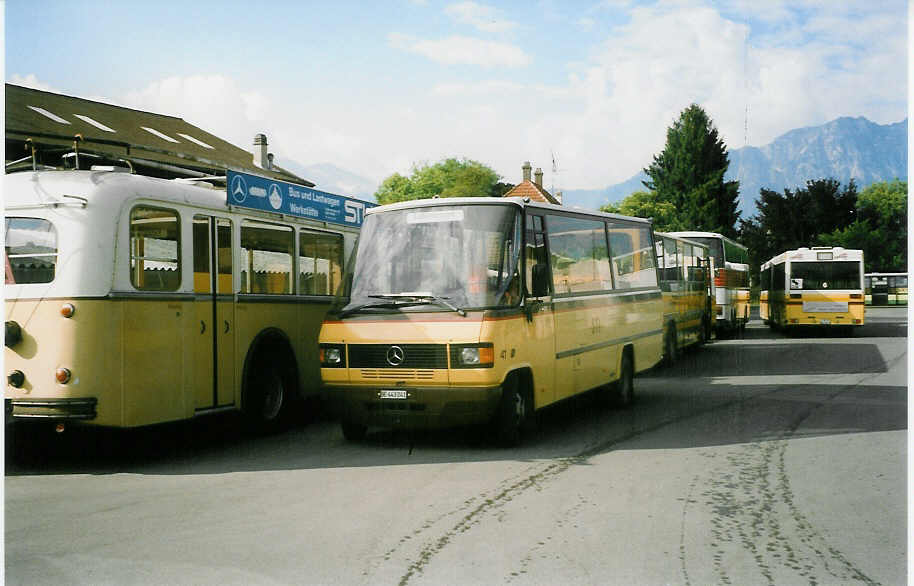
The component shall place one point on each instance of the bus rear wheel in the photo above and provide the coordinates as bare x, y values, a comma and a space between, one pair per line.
670, 348
269, 395
625, 386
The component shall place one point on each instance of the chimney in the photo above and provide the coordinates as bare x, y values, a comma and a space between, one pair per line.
526, 169
558, 197
538, 176
270, 161
260, 151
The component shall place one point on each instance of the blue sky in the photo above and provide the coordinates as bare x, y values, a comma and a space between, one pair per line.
374, 87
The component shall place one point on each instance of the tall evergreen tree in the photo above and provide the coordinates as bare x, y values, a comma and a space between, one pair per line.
689, 174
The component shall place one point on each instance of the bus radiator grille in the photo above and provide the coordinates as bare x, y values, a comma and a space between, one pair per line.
398, 374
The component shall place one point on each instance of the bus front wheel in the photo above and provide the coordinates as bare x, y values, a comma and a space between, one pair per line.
353, 432
511, 415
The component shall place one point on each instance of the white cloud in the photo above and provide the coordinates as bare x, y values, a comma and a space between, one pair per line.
215, 103
31, 81
459, 50
483, 88
484, 18
606, 117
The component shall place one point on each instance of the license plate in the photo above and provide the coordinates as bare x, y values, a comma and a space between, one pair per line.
392, 394
825, 322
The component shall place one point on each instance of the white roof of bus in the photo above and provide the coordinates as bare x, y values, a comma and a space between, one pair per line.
697, 234
516, 201
811, 254
102, 188
680, 239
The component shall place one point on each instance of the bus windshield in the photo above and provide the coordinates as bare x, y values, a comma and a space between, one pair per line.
715, 250
451, 257
825, 275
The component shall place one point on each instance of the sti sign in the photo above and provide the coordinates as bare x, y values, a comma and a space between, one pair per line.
272, 195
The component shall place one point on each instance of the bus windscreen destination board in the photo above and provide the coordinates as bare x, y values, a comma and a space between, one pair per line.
272, 195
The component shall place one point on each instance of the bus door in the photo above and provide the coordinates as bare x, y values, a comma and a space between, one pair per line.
214, 331
539, 324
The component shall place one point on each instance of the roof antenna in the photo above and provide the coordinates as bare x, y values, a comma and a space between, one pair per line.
76, 140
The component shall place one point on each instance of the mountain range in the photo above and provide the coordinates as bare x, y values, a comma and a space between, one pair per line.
842, 149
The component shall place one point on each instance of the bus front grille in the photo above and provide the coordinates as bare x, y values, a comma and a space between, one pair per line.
405, 357
397, 374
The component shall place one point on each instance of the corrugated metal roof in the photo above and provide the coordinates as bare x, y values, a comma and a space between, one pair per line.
52, 122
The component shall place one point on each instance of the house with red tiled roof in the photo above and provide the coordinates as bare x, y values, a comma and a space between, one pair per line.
533, 189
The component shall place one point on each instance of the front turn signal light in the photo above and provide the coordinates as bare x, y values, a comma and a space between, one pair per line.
67, 310
62, 375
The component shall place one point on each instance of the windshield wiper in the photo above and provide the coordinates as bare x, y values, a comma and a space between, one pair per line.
419, 298
356, 308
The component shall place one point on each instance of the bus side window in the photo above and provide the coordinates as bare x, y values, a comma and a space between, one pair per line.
535, 254
154, 249
320, 261
266, 251
580, 260
632, 258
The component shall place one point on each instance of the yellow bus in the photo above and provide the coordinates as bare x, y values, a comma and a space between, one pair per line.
684, 268
886, 288
468, 310
730, 284
133, 300
818, 286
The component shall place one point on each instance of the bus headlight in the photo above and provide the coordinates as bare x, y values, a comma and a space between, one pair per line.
472, 356
332, 355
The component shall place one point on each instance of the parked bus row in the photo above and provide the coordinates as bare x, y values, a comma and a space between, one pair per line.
133, 300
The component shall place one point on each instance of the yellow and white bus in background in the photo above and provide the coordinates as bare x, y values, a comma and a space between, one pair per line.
685, 271
886, 288
133, 300
818, 286
470, 310
730, 284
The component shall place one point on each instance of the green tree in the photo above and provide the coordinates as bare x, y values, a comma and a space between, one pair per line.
796, 218
689, 174
880, 228
447, 178
646, 204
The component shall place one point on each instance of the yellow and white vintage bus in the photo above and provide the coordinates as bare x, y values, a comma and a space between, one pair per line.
819, 286
684, 268
133, 300
730, 284
469, 310
886, 288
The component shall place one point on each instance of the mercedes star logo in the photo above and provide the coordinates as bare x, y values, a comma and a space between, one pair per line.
395, 356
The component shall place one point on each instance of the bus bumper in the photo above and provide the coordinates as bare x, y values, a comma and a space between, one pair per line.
51, 409
423, 407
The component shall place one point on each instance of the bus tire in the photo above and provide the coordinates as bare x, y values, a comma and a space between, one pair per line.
670, 346
353, 432
625, 386
705, 331
269, 389
511, 414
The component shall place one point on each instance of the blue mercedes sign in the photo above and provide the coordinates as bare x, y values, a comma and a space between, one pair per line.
272, 195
